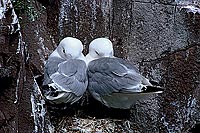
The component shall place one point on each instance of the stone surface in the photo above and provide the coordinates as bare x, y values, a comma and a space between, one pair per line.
159, 37
15, 111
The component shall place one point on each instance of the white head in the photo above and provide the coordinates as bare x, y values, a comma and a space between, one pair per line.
70, 48
100, 47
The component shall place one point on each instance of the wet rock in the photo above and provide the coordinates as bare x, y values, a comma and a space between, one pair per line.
14, 97
159, 37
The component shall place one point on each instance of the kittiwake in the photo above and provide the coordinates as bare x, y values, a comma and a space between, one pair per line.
65, 78
113, 81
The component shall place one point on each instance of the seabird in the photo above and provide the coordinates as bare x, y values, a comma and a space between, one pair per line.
65, 77
113, 81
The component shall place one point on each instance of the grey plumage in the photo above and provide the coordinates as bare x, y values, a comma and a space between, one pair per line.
113, 81
51, 67
65, 78
113, 78
113, 72
70, 77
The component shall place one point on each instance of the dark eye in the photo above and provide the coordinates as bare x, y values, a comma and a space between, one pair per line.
63, 51
96, 52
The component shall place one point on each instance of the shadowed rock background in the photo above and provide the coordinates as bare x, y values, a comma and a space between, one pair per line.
162, 38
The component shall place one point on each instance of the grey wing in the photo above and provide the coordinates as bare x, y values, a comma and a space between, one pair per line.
71, 77
51, 67
127, 64
110, 75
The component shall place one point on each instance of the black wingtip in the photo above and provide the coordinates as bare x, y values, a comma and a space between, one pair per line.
39, 79
45, 89
154, 82
155, 89
49, 90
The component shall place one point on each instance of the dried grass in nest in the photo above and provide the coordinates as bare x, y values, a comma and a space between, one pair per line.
91, 125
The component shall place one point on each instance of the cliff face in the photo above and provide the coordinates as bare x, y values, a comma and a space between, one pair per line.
160, 37
14, 95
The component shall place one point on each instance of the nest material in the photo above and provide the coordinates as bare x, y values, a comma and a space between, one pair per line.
91, 125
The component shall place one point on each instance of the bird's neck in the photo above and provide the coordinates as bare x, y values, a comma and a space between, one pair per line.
89, 58
82, 57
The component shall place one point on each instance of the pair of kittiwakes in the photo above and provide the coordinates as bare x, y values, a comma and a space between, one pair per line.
111, 80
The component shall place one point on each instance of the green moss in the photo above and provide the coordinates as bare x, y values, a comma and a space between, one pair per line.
28, 8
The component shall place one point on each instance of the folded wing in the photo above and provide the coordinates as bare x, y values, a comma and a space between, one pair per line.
113, 75
65, 81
